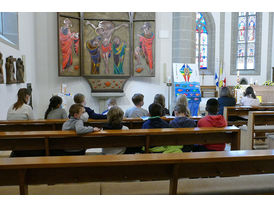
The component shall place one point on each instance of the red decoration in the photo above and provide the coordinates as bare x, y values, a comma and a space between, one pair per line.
107, 83
139, 69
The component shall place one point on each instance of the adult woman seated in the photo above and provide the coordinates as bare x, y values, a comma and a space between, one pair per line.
226, 99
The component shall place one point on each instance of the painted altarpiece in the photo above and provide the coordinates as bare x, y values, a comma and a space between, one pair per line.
108, 42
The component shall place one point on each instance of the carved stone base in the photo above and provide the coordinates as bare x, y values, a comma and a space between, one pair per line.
106, 85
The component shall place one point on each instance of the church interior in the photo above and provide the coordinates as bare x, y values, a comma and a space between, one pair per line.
150, 103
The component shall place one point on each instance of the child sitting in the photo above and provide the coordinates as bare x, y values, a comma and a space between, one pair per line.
211, 120
182, 121
76, 123
249, 98
110, 103
182, 99
137, 111
154, 121
160, 99
55, 111
115, 117
80, 99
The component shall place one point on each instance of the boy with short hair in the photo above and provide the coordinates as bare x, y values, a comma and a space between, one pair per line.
137, 110
212, 120
80, 99
75, 122
154, 121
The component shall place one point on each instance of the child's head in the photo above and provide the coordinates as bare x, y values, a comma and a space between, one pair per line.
225, 92
160, 99
76, 110
180, 110
111, 102
79, 99
212, 106
54, 103
115, 115
138, 99
182, 99
250, 92
155, 109
23, 98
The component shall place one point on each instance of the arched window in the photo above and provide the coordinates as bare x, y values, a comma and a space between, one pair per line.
201, 41
205, 41
246, 38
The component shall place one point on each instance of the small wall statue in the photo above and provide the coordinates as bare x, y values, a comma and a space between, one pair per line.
1, 70
10, 71
20, 70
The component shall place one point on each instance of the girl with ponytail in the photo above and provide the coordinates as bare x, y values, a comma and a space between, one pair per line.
54, 110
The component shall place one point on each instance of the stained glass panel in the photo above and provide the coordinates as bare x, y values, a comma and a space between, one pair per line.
251, 22
203, 62
242, 23
242, 13
251, 35
241, 50
240, 63
203, 30
203, 21
201, 41
203, 50
241, 36
250, 49
250, 63
203, 38
198, 16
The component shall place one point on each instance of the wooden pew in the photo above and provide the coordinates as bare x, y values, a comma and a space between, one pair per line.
242, 111
56, 124
53, 140
209, 89
145, 167
259, 123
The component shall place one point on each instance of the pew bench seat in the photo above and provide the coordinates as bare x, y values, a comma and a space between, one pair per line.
246, 184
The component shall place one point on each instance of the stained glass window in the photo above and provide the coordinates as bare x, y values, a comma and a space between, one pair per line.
201, 41
246, 40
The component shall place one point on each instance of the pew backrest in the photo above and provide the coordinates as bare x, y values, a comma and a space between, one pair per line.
47, 140
260, 123
56, 124
73, 169
242, 111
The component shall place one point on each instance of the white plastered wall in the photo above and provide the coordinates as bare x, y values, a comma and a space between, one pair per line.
8, 93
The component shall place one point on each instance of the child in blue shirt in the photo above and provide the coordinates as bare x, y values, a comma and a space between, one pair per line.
154, 121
